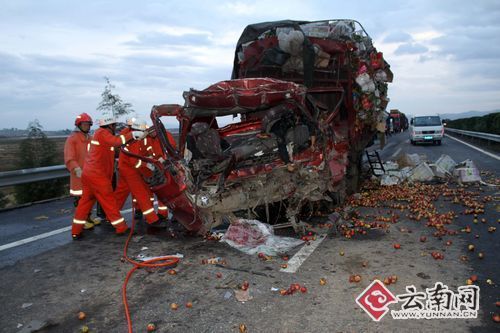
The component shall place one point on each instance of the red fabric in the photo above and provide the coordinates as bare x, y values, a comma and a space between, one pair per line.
75, 151
100, 160
101, 189
96, 180
131, 181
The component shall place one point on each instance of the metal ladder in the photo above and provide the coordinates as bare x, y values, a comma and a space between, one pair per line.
375, 162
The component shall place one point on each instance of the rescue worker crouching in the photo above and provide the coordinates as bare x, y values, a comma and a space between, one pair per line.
75, 152
152, 148
130, 176
97, 176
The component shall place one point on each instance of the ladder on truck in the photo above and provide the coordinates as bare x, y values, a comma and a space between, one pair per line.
375, 162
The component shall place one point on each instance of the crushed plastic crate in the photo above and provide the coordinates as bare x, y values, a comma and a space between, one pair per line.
446, 162
422, 173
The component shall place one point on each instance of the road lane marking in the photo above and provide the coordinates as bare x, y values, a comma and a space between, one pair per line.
298, 259
42, 236
396, 152
474, 147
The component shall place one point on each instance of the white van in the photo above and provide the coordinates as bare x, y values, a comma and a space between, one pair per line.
426, 129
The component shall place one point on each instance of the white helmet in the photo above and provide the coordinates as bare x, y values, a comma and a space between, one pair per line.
107, 118
137, 123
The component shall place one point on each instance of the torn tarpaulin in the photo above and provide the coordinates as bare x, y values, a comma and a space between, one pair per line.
252, 236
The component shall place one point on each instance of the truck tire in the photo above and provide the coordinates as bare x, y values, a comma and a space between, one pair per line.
353, 174
439, 142
412, 142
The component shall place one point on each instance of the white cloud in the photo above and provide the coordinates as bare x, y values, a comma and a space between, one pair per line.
53, 54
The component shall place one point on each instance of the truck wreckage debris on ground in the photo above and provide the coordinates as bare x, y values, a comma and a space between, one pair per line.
306, 96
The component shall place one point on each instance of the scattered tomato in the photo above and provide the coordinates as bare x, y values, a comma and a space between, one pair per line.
189, 305
397, 246
303, 289
245, 285
322, 281
174, 306
151, 327
496, 317
172, 271
81, 315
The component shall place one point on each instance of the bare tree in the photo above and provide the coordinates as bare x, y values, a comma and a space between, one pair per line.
113, 102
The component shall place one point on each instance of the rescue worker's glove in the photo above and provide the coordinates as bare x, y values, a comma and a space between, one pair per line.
78, 172
139, 135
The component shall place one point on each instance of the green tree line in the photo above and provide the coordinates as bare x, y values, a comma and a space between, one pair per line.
487, 124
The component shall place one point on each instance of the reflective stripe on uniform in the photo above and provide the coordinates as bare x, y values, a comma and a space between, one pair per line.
162, 207
152, 199
75, 192
138, 164
134, 200
112, 148
123, 139
75, 221
145, 141
88, 146
94, 142
149, 211
149, 148
118, 221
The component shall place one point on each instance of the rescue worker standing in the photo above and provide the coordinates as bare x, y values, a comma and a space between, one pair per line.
75, 151
97, 176
130, 179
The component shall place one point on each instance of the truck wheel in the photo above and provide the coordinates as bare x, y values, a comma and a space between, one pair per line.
439, 142
412, 142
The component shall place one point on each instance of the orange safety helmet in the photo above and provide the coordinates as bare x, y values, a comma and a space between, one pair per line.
82, 118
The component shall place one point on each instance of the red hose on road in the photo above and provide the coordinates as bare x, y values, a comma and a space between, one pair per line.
165, 261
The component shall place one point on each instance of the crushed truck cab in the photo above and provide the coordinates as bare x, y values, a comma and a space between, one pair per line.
305, 99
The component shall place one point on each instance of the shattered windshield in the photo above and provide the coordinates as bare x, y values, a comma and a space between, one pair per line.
427, 121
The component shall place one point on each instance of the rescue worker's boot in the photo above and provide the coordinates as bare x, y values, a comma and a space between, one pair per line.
94, 220
88, 225
77, 237
160, 223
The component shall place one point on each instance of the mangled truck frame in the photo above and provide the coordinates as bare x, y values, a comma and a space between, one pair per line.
305, 99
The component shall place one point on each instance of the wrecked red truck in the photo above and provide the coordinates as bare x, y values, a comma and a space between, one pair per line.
304, 97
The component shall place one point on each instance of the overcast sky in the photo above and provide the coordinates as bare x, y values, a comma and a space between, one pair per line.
445, 55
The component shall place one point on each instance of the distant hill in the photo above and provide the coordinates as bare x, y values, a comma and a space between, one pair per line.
468, 114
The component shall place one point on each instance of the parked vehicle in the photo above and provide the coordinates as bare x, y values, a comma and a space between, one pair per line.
305, 98
426, 129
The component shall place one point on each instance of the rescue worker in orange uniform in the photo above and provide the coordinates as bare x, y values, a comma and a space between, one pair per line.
130, 176
153, 149
75, 151
98, 173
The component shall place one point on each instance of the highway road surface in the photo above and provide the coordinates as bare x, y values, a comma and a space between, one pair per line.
46, 278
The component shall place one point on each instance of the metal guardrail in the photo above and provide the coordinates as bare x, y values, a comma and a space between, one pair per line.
480, 135
23, 176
